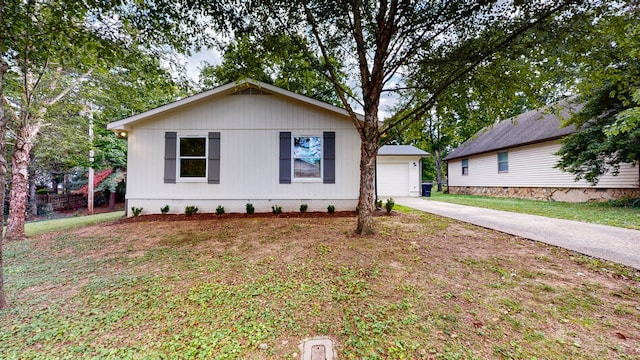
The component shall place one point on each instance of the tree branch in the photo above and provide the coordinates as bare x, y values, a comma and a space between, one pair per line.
481, 57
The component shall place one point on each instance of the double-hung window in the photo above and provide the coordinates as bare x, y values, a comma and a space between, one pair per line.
192, 157
465, 166
503, 162
307, 157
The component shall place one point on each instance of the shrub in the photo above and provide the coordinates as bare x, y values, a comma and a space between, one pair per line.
303, 208
136, 210
220, 210
165, 209
331, 209
250, 208
379, 204
389, 205
190, 210
276, 209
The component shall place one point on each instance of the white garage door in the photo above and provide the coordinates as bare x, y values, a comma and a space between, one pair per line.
393, 180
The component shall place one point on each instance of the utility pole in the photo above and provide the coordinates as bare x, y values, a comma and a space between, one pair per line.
90, 191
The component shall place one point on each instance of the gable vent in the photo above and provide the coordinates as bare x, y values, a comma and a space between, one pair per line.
250, 91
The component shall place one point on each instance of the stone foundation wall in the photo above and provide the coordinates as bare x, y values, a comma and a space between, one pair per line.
549, 194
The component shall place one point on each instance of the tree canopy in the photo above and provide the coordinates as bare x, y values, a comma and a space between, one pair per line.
381, 45
610, 89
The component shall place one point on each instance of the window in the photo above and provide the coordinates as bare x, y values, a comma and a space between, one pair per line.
503, 162
193, 158
307, 157
465, 166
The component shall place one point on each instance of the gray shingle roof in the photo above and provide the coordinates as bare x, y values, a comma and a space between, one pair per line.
529, 128
401, 150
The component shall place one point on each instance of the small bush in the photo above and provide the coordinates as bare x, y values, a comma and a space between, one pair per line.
331, 209
389, 205
190, 210
250, 208
303, 208
164, 210
379, 204
220, 210
136, 210
276, 209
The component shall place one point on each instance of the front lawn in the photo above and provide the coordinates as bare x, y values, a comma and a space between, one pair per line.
593, 212
253, 288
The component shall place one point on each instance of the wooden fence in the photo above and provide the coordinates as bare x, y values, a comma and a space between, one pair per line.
61, 201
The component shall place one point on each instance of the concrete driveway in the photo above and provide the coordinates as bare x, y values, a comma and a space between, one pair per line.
604, 242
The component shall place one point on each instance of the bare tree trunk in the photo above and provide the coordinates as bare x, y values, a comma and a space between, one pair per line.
112, 201
3, 166
20, 182
32, 203
437, 157
366, 203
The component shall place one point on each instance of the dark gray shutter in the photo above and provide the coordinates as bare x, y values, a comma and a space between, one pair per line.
214, 158
329, 141
285, 158
170, 139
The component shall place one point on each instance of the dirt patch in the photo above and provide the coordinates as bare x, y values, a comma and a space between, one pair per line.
422, 287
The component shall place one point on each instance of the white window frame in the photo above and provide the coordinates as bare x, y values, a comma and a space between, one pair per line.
204, 157
506, 161
293, 159
463, 167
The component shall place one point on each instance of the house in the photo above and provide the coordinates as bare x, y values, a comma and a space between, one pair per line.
399, 171
244, 142
515, 158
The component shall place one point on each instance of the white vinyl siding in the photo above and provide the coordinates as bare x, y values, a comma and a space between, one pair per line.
249, 127
531, 166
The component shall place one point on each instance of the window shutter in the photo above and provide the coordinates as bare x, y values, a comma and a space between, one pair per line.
170, 139
329, 141
285, 158
214, 158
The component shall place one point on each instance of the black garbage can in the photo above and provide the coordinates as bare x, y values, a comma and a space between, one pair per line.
426, 189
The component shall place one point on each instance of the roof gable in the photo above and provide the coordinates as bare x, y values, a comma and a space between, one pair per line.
401, 150
241, 87
532, 127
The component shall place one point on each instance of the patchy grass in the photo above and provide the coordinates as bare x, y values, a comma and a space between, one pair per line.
41, 227
591, 212
423, 287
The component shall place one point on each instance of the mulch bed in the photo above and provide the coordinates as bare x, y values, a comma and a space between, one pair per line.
214, 216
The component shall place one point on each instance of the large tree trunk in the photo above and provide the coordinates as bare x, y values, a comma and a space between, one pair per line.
3, 172
20, 182
366, 203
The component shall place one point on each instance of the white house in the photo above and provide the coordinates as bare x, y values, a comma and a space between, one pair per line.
515, 158
399, 171
245, 142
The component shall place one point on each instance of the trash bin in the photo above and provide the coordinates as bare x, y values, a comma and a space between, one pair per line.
426, 189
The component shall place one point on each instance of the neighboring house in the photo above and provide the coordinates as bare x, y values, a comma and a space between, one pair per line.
399, 171
244, 142
515, 158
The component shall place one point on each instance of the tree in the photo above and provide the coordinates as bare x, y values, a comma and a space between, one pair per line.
4, 67
610, 88
380, 44
49, 47
275, 60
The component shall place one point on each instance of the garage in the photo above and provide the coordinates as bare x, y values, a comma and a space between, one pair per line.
399, 170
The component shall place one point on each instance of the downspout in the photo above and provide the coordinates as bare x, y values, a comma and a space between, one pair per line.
375, 182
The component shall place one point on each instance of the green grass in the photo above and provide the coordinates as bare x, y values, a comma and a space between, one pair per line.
593, 212
422, 288
41, 227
